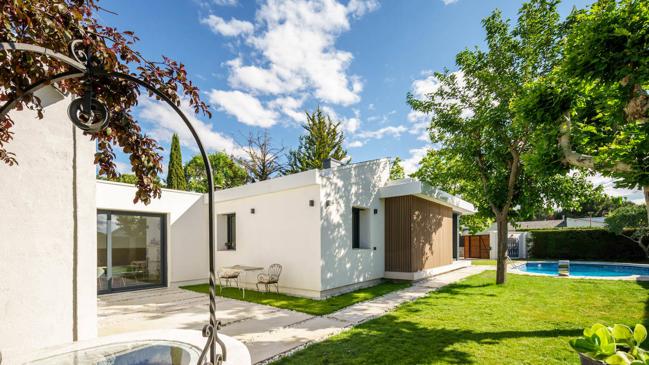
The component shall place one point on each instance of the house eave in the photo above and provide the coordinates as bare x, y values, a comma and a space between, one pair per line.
422, 190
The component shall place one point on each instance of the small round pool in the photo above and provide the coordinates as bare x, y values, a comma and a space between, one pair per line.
594, 269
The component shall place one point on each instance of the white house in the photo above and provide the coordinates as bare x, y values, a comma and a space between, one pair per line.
64, 236
332, 230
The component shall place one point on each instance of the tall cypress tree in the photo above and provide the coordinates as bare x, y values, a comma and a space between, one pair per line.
175, 173
323, 139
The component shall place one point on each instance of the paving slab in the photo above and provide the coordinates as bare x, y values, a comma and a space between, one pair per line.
268, 332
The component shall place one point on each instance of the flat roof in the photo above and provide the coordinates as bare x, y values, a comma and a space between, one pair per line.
395, 188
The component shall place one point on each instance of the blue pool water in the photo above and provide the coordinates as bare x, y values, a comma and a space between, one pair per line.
585, 269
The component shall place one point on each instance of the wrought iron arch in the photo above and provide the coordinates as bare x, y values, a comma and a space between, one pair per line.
84, 106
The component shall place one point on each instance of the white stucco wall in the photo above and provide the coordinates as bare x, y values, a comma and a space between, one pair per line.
345, 187
284, 229
38, 303
186, 214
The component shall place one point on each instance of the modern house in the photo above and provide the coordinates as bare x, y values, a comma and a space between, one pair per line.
65, 236
332, 230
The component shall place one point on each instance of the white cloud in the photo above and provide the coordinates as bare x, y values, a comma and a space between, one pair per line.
349, 124
122, 168
411, 164
359, 7
165, 122
228, 28
633, 195
394, 131
290, 107
355, 144
296, 43
245, 107
226, 2
448, 2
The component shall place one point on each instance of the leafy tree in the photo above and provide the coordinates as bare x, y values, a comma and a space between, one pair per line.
323, 139
483, 145
123, 178
54, 24
175, 173
632, 217
227, 173
591, 200
396, 170
592, 111
262, 159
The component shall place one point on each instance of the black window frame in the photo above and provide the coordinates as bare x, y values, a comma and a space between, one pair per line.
356, 225
163, 250
231, 234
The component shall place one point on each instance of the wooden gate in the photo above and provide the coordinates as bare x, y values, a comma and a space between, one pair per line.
476, 246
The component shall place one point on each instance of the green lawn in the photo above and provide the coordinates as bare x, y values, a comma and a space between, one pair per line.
527, 321
483, 262
310, 306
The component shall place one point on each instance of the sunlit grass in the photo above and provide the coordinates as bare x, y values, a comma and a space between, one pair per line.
529, 320
310, 306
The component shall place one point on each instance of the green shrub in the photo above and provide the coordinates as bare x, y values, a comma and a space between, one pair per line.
582, 244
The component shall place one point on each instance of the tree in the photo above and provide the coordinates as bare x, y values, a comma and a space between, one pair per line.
175, 173
592, 111
632, 217
323, 139
482, 144
54, 24
262, 159
591, 201
396, 170
227, 173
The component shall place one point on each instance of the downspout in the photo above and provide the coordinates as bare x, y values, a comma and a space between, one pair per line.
75, 240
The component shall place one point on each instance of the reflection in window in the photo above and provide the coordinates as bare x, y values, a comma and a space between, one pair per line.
129, 250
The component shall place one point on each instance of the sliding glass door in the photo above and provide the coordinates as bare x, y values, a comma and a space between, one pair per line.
130, 250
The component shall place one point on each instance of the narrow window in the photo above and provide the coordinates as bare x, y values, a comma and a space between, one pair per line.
232, 231
356, 232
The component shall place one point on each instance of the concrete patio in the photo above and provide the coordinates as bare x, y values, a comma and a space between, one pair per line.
268, 332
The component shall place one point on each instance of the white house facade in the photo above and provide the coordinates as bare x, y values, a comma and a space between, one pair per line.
66, 237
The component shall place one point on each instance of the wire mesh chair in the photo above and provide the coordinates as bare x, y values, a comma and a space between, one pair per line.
270, 278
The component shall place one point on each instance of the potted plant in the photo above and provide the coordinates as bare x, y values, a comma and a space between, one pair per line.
617, 345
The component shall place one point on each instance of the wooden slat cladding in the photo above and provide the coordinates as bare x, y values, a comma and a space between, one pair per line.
397, 234
418, 234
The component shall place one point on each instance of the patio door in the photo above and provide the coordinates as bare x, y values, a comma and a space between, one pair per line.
130, 251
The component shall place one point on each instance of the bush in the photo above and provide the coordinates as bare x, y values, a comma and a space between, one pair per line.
583, 244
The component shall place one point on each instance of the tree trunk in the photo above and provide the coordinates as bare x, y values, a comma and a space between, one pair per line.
501, 266
645, 189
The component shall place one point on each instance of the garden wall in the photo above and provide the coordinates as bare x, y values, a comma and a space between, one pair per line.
582, 244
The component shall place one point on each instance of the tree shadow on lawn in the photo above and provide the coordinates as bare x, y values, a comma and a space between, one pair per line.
645, 285
388, 340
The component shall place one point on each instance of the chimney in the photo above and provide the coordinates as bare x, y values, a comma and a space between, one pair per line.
330, 162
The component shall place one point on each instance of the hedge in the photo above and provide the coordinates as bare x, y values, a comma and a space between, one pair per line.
582, 244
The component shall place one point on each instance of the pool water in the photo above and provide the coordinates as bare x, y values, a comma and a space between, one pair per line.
131, 353
586, 269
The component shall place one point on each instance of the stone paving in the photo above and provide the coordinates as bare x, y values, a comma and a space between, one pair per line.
268, 332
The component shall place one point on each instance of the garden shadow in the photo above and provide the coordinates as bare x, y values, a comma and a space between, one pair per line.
392, 341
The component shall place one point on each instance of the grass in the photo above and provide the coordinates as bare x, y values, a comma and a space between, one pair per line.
529, 320
305, 305
483, 262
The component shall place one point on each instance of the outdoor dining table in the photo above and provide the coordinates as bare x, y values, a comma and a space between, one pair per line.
244, 269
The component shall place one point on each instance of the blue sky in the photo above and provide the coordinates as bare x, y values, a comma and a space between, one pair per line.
261, 63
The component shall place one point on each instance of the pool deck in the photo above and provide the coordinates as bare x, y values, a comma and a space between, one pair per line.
268, 332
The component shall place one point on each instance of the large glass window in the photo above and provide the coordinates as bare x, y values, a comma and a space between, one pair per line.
130, 250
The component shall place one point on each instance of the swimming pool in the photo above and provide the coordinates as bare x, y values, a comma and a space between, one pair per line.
592, 269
